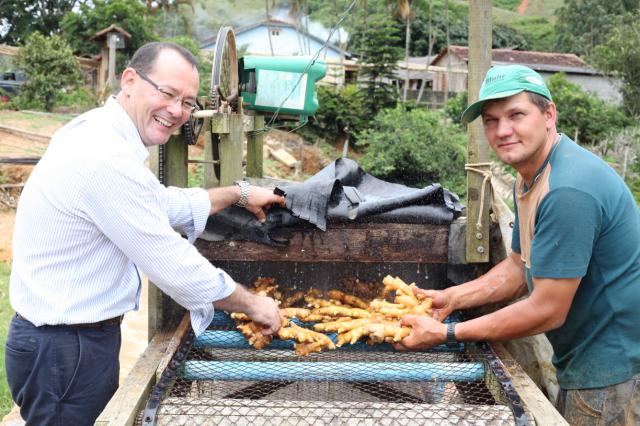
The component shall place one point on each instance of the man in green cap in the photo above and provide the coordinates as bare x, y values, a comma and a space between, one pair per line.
576, 253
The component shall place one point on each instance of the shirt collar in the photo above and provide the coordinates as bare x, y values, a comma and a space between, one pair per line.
544, 165
124, 123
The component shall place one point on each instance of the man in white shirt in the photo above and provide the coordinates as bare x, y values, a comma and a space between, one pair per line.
90, 216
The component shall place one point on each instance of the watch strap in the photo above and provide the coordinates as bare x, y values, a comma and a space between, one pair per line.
244, 193
451, 335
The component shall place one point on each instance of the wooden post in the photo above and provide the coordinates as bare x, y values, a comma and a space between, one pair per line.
163, 311
231, 151
210, 178
111, 70
255, 142
478, 196
102, 72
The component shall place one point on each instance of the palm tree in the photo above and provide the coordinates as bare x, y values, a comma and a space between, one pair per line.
266, 6
405, 12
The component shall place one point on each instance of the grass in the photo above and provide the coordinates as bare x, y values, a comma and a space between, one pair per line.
34, 120
5, 316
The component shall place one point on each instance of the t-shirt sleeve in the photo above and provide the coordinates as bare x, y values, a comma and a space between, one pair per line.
567, 224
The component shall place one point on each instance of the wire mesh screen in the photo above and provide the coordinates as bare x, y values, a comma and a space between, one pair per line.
220, 379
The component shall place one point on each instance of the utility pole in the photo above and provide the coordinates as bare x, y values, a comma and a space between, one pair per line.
479, 168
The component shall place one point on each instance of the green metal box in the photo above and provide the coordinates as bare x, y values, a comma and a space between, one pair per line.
283, 84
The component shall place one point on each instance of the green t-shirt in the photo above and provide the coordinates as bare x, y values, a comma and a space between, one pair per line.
579, 219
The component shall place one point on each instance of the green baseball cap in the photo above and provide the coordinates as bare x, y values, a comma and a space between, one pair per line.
504, 81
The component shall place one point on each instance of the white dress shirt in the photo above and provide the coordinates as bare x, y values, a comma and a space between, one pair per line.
90, 213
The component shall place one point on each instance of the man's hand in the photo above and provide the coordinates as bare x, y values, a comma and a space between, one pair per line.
264, 311
442, 304
260, 198
425, 333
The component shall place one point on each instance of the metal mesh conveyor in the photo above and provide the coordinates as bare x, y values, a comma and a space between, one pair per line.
219, 379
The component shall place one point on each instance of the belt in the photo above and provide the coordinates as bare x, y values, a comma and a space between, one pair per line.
107, 322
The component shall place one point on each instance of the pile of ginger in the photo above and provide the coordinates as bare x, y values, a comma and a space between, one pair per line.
351, 317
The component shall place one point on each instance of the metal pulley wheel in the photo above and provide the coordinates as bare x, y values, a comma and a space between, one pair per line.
224, 84
224, 74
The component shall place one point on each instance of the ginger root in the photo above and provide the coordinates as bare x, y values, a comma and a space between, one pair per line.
350, 316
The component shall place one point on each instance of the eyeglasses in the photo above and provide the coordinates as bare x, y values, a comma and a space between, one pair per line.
186, 104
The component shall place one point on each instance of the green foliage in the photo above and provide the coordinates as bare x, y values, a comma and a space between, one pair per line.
538, 32
584, 24
78, 100
130, 15
27, 16
506, 4
5, 317
583, 113
340, 114
416, 148
622, 151
50, 66
378, 46
455, 107
620, 56
340, 109
174, 19
503, 36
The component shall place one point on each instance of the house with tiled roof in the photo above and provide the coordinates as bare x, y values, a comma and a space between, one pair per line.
450, 70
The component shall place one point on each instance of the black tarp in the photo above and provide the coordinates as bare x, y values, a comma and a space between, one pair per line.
341, 192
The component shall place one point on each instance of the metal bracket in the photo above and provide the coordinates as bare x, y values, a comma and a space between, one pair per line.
168, 375
515, 403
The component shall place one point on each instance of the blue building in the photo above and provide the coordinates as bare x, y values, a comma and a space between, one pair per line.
279, 38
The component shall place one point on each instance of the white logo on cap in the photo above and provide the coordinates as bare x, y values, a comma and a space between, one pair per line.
534, 80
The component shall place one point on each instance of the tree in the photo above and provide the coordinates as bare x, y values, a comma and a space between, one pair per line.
504, 36
379, 46
130, 15
415, 147
620, 57
584, 24
50, 66
25, 17
582, 115
205, 64
340, 112
176, 20
455, 107
407, 14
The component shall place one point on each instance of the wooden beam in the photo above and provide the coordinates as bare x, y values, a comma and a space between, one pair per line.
366, 243
163, 311
132, 395
255, 143
478, 195
210, 177
176, 340
231, 151
535, 402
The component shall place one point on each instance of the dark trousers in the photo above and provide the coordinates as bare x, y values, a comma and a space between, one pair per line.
616, 405
61, 375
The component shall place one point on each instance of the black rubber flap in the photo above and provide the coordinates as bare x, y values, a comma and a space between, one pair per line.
341, 192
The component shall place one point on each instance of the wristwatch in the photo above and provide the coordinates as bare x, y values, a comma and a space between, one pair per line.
451, 335
244, 193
